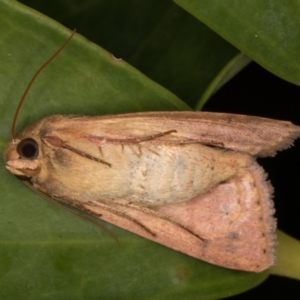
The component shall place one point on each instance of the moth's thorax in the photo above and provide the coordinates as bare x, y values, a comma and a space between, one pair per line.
149, 173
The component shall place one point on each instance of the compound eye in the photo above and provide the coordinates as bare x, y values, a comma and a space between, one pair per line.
28, 149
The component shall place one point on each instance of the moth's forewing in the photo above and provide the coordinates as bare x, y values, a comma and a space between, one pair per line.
229, 223
254, 135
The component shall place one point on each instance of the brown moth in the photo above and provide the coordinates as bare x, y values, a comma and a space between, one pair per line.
187, 180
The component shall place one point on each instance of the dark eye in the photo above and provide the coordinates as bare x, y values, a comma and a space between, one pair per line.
28, 149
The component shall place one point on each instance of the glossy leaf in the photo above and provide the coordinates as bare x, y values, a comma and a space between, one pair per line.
157, 37
47, 253
265, 30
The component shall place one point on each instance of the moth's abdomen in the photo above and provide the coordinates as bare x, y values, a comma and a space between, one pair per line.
167, 174
146, 173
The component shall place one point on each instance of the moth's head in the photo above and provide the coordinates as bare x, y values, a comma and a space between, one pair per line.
22, 157
22, 154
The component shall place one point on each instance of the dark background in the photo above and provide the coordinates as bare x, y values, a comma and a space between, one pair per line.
255, 91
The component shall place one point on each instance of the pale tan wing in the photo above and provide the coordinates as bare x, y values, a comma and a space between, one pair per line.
235, 227
254, 135
228, 226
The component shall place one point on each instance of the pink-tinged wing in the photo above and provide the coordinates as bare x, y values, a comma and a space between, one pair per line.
234, 223
254, 135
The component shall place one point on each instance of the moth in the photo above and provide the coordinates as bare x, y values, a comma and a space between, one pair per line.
186, 180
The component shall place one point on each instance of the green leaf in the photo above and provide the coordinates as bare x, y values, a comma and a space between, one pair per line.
288, 258
157, 37
266, 30
47, 253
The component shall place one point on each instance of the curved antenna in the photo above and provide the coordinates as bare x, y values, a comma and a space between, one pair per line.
33, 79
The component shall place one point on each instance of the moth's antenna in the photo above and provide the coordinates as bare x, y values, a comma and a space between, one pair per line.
33, 79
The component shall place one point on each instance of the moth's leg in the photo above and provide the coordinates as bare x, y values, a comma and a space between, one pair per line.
178, 141
57, 142
137, 149
137, 152
112, 210
59, 202
118, 209
137, 140
156, 214
153, 136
